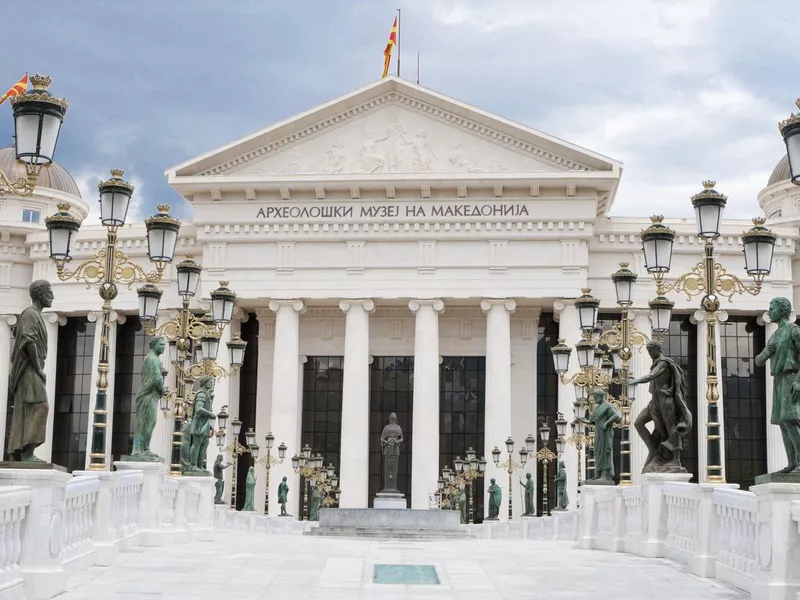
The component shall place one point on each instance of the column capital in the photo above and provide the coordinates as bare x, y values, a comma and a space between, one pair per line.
95, 315
54, 317
240, 314
9, 320
367, 304
436, 303
508, 303
296, 304
559, 305
700, 315
763, 319
302, 359
264, 314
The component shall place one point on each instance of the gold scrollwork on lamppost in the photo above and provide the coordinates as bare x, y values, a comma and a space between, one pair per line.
510, 465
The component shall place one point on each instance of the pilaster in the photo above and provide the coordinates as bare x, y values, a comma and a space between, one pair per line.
266, 355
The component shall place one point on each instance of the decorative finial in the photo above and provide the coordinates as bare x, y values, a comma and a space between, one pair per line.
117, 173
797, 103
64, 206
657, 218
759, 221
189, 256
163, 208
586, 291
709, 185
40, 83
224, 283
624, 265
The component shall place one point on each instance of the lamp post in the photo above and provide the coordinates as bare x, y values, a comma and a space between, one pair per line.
191, 338
311, 467
235, 449
109, 267
709, 278
268, 461
790, 132
579, 439
544, 456
38, 116
510, 466
465, 473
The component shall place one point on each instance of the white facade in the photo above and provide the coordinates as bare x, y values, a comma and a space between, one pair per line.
397, 222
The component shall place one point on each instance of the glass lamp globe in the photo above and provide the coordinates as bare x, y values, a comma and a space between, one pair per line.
222, 303
661, 313
188, 276
657, 243
759, 246
561, 353
62, 229
623, 284
588, 307
708, 207
115, 198
38, 116
162, 235
149, 298
790, 132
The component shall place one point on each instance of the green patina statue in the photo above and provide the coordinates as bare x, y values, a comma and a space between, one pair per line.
495, 498
250, 490
603, 417
316, 498
529, 491
783, 352
462, 504
26, 385
668, 411
562, 500
150, 392
283, 496
219, 466
200, 425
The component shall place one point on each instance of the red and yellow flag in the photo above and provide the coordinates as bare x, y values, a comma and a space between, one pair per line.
387, 53
17, 89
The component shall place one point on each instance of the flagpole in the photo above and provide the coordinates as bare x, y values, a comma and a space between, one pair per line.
398, 42
417, 67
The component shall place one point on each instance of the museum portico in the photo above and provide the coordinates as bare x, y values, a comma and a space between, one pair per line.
395, 250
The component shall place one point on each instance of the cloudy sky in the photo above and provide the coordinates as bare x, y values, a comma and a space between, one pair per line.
678, 90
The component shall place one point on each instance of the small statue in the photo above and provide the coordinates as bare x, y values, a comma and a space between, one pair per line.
150, 392
186, 442
26, 386
529, 491
250, 490
391, 438
668, 411
283, 495
316, 498
454, 500
201, 424
783, 352
495, 498
562, 500
219, 466
603, 417
462, 504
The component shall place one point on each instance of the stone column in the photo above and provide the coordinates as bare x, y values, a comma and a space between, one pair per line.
569, 330
498, 390
6, 323
161, 442
425, 453
266, 354
354, 462
702, 406
639, 366
52, 321
285, 414
776, 453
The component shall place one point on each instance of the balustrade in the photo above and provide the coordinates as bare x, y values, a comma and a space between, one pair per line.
80, 509
737, 558
634, 525
169, 495
14, 505
193, 493
126, 498
683, 505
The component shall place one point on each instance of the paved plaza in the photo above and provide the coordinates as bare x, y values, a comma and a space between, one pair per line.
248, 566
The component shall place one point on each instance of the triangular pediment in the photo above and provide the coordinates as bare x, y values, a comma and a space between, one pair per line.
394, 127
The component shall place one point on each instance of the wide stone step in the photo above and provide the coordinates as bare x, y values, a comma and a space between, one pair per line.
390, 533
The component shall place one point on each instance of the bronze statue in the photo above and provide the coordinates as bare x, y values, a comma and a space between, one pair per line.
283, 496
603, 417
219, 466
391, 438
495, 498
668, 411
783, 352
316, 498
562, 500
529, 491
462, 504
150, 392
201, 424
26, 386
250, 490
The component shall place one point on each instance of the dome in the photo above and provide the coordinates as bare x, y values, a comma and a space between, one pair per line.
781, 172
52, 176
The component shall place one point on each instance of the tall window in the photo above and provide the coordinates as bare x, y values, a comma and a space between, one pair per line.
546, 403
74, 377
680, 344
132, 347
462, 401
30, 215
322, 406
391, 391
744, 397
248, 392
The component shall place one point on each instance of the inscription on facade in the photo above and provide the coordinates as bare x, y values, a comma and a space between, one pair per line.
391, 211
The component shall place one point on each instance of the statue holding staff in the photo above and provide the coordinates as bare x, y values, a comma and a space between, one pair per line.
150, 392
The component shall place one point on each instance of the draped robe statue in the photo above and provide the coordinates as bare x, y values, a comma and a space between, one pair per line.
316, 498
603, 416
495, 498
250, 490
150, 392
219, 467
562, 500
529, 491
26, 385
391, 438
200, 424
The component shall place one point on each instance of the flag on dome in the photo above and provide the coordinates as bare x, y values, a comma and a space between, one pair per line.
17, 89
387, 53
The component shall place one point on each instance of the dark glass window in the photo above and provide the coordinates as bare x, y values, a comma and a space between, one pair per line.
744, 400
248, 393
74, 377
391, 391
547, 403
322, 406
462, 401
132, 347
680, 344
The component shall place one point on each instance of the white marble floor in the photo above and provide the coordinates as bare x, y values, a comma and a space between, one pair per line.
249, 566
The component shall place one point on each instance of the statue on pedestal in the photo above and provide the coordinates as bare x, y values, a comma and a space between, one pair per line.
562, 500
495, 498
462, 504
150, 392
391, 438
668, 411
783, 352
316, 498
219, 466
529, 491
603, 417
250, 490
283, 495
200, 425
26, 385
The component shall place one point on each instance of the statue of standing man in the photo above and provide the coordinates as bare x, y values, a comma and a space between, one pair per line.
150, 392
603, 417
783, 352
200, 425
26, 386
495, 498
391, 438
529, 491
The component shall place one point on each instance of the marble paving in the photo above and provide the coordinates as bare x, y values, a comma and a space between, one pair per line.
249, 566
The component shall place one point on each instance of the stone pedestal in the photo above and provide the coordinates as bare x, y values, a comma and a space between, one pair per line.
778, 541
180, 531
654, 521
40, 559
703, 562
205, 526
152, 533
105, 550
389, 500
565, 525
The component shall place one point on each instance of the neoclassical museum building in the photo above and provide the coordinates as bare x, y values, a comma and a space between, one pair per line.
396, 250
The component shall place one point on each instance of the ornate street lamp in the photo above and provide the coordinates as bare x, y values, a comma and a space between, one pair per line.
790, 131
311, 467
510, 466
545, 456
588, 308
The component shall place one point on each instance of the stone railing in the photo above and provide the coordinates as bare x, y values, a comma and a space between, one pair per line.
15, 503
126, 498
193, 497
169, 495
78, 524
746, 539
